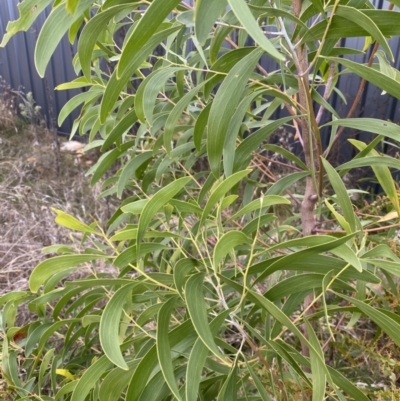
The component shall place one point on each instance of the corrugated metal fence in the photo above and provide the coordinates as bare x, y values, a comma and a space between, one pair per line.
18, 70
16, 67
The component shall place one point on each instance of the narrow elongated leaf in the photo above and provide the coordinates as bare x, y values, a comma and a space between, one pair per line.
49, 267
260, 221
392, 268
374, 125
286, 182
110, 324
66, 220
259, 204
383, 175
186, 207
224, 105
53, 328
77, 100
163, 346
148, 90
160, 199
107, 160
130, 169
200, 126
144, 30
198, 312
172, 120
71, 6
66, 389
380, 80
371, 161
361, 19
285, 153
302, 255
131, 254
234, 129
220, 192
206, 12
221, 68
347, 254
90, 378
124, 124
300, 283
260, 386
225, 244
244, 150
390, 326
388, 23
317, 365
76, 83
130, 234
228, 391
342, 198
53, 30
29, 10
197, 360
180, 338
91, 32
116, 84
244, 15
116, 381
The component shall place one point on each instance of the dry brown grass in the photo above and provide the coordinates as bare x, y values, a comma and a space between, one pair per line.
35, 177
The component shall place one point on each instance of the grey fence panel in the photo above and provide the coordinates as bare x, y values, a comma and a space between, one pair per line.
17, 68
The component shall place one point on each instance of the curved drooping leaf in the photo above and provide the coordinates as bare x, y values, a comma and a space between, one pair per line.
176, 112
49, 267
383, 176
377, 78
225, 244
244, 150
180, 338
91, 32
220, 192
386, 323
163, 346
148, 90
144, 30
340, 27
259, 204
124, 124
116, 84
244, 15
342, 198
362, 20
224, 105
206, 12
29, 10
53, 30
198, 312
130, 169
371, 161
110, 326
66, 220
77, 100
90, 378
156, 203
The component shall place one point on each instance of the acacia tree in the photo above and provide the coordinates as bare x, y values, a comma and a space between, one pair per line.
223, 291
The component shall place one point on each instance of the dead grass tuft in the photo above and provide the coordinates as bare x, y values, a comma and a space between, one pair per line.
35, 177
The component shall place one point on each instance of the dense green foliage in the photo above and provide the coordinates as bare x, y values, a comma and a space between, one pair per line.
222, 290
